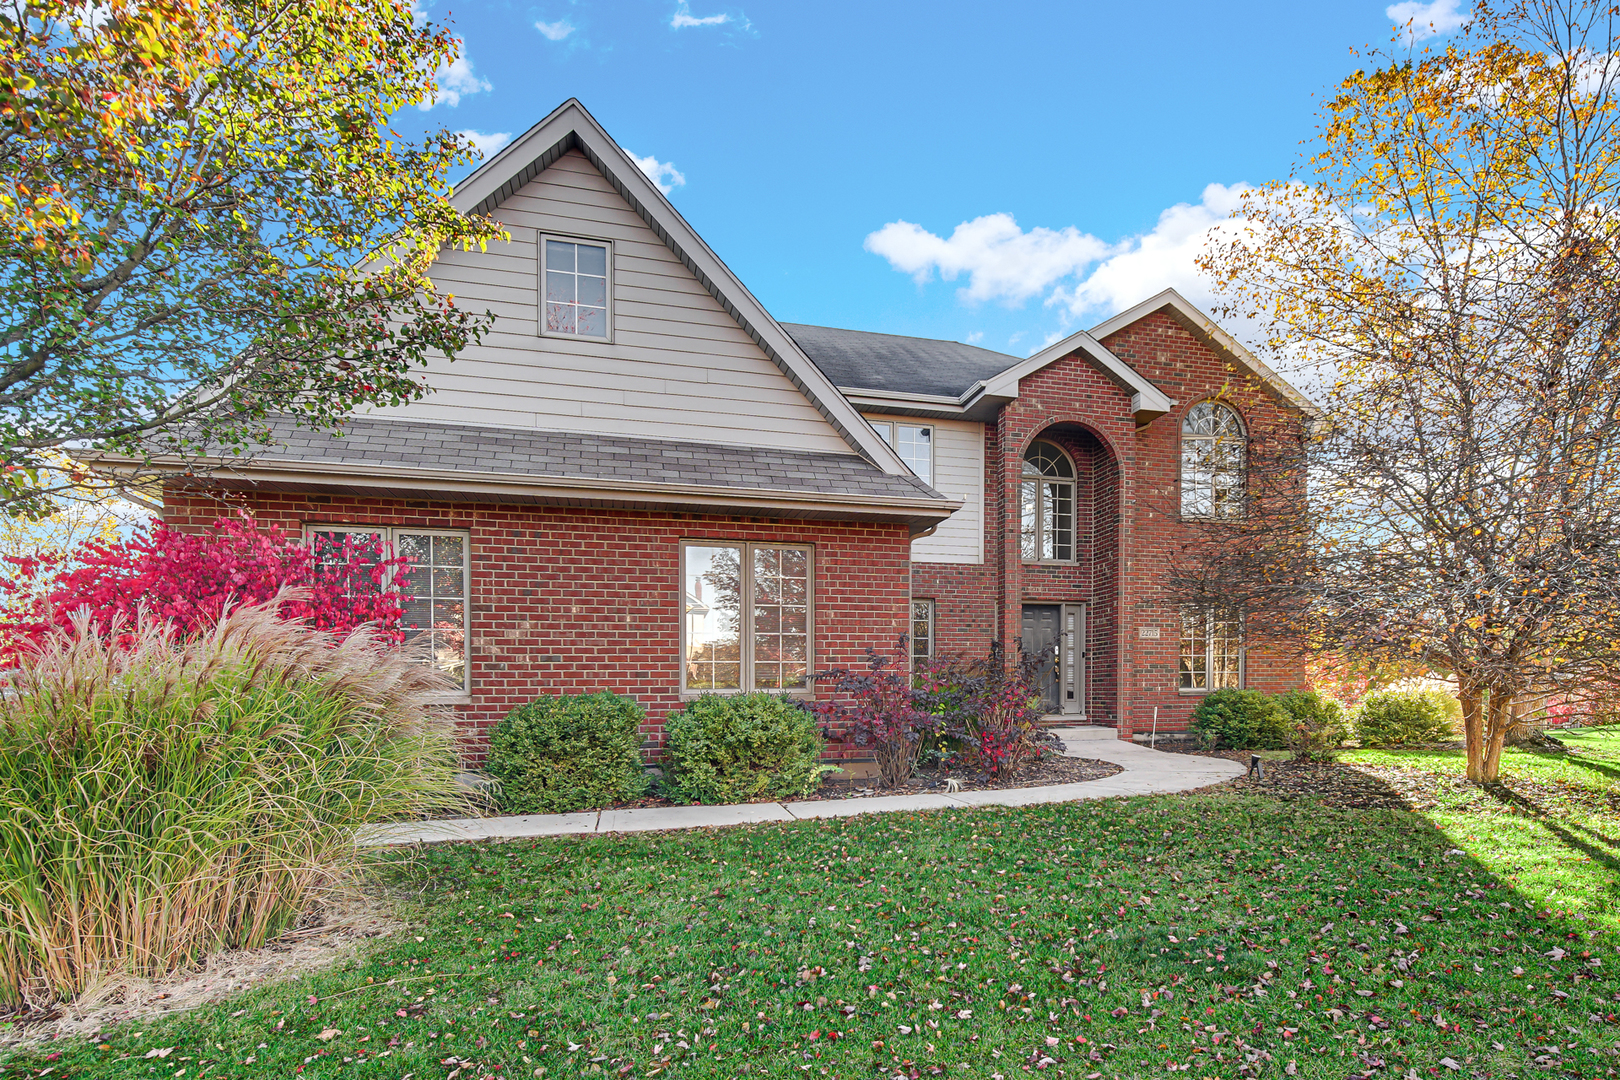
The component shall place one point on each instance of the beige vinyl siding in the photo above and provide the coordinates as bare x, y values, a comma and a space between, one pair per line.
958, 474
678, 367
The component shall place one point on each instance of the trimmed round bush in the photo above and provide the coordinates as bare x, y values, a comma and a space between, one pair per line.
1241, 719
732, 748
1406, 717
572, 752
1316, 724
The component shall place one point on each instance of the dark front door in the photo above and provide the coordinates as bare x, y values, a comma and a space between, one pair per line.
1041, 635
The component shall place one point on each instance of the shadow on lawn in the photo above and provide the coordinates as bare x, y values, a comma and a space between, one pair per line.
1565, 831
1600, 767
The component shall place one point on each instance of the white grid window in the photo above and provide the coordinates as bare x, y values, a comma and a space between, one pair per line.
433, 590
922, 630
915, 445
1211, 462
746, 616
1046, 505
1211, 649
576, 288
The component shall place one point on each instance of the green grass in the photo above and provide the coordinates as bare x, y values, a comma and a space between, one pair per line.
1225, 934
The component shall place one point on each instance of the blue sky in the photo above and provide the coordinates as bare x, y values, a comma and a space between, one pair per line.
997, 173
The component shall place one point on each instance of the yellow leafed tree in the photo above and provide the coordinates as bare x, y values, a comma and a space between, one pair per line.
1446, 266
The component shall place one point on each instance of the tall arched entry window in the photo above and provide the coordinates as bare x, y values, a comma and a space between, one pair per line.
1047, 504
1211, 462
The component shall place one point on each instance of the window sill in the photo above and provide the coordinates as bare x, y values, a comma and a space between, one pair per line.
1049, 562
460, 697
576, 339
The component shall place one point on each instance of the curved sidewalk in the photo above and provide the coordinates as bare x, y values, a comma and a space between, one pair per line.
1146, 772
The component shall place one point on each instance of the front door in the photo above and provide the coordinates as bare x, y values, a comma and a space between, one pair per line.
1056, 635
1040, 638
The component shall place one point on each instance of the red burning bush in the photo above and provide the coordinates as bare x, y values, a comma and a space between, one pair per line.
189, 578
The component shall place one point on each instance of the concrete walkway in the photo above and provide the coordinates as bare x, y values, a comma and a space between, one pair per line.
1146, 772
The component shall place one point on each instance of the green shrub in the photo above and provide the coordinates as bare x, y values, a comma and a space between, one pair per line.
1241, 719
1405, 717
573, 752
161, 798
1316, 724
742, 747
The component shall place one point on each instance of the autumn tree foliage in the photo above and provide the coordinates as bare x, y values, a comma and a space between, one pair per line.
206, 220
1446, 265
189, 579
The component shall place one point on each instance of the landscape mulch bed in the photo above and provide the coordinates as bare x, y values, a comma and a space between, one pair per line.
1043, 773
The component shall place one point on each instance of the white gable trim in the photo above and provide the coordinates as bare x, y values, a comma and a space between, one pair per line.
571, 127
1204, 328
1148, 402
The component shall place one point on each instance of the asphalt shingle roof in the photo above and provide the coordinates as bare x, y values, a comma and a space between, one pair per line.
856, 358
520, 452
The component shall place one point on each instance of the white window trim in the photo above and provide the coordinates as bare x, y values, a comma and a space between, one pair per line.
745, 606
1074, 507
933, 623
387, 532
1209, 615
540, 295
889, 432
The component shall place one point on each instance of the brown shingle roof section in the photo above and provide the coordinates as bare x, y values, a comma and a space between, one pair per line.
519, 452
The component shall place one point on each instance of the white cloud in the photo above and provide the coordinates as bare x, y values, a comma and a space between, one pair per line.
1141, 266
455, 81
487, 144
662, 173
975, 337
1001, 260
1422, 20
1083, 278
684, 17
554, 31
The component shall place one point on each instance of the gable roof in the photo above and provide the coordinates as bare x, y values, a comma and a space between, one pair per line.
1148, 402
926, 376
571, 127
1205, 329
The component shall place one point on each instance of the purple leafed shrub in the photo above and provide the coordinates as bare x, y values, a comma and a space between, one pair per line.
990, 708
987, 709
879, 711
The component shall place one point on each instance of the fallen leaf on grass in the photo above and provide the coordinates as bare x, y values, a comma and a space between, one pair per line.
328, 1034
163, 1053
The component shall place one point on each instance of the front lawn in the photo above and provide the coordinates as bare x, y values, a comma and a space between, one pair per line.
1219, 934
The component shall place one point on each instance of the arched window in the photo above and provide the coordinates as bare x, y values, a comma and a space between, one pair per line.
1047, 499
1211, 462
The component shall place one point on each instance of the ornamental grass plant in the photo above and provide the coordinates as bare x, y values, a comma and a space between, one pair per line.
165, 796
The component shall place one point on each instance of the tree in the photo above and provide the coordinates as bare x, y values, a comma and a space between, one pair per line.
1447, 264
205, 220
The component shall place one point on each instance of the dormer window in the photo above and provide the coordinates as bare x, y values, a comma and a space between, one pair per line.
575, 288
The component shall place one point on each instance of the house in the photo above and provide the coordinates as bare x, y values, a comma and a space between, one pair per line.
640, 480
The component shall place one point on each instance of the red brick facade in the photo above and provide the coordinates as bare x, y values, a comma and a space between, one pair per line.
573, 601
1128, 524
567, 600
